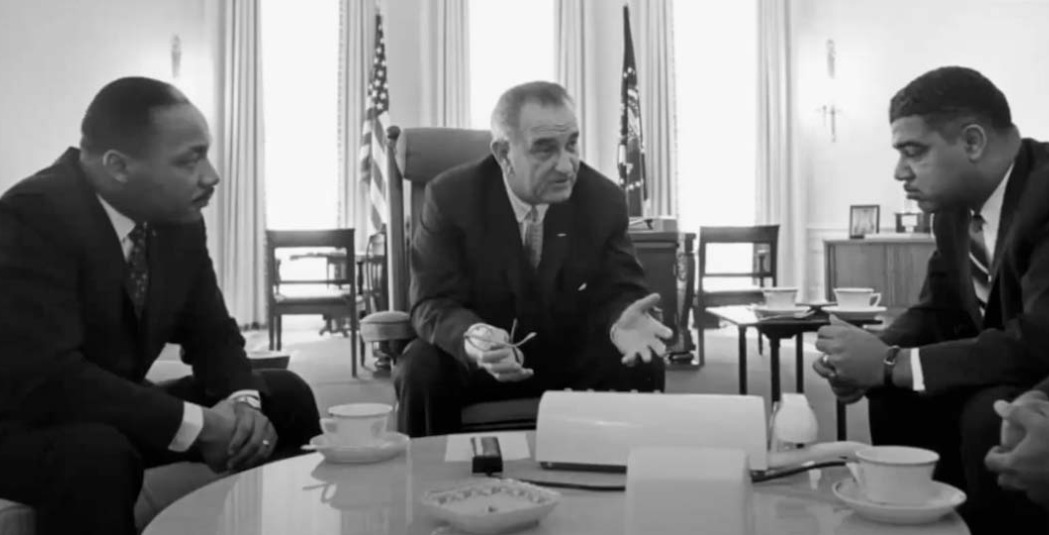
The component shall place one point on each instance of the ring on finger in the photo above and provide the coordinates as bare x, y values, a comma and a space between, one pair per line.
825, 359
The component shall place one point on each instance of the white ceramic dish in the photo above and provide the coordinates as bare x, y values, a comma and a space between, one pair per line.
391, 445
945, 500
855, 313
491, 506
763, 311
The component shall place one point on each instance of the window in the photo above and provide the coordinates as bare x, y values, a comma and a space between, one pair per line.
717, 77
511, 42
300, 47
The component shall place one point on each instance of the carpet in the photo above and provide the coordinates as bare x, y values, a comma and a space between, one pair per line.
323, 361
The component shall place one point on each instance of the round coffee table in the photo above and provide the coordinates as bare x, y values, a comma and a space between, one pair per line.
305, 495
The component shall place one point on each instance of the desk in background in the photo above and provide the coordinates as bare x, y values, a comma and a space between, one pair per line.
669, 260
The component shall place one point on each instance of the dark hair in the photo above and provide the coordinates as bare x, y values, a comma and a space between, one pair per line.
944, 96
121, 114
506, 117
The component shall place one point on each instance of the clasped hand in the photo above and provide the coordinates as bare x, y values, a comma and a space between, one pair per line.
853, 360
637, 334
490, 348
236, 437
1022, 459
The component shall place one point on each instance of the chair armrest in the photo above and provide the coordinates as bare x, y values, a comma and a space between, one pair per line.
387, 325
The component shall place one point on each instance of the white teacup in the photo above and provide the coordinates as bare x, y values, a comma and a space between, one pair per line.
780, 298
895, 475
355, 424
851, 298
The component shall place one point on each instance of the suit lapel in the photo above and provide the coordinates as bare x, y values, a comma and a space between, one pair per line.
1010, 206
503, 237
557, 238
159, 248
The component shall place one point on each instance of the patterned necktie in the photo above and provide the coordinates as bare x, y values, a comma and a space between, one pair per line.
533, 238
137, 282
980, 261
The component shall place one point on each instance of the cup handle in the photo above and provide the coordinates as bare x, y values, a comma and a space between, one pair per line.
856, 471
329, 425
875, 299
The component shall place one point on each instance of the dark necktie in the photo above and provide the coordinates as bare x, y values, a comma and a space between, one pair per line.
980, 261
533, 241
137, 282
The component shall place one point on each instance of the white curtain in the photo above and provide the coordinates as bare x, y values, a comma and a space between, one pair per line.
780, 192
652, 26
445, 53
241, 197
578, 53
356, 50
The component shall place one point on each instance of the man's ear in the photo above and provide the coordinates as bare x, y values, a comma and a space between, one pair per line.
974, 141
116, 164
501, 150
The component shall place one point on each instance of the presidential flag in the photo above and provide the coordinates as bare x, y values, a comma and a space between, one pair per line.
631, 148
373, 137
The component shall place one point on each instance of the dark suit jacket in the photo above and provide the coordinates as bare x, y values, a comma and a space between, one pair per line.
1010, 344
71, 347
468, 266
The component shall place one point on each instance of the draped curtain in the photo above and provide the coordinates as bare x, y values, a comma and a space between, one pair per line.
445, 53
780, 192
356, 48
575, 26
242, 198
652, 25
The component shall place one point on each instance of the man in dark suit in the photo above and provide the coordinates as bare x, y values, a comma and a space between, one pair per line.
527, 240
980, 331
102, 262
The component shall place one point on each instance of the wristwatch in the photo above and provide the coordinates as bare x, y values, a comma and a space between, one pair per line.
890, 363
250, 401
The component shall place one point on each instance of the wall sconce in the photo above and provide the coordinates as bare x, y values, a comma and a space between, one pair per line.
176, 56
829, 111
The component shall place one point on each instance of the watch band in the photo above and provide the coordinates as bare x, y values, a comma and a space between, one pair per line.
890, 364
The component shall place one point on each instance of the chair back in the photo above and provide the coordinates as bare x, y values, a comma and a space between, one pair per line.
339, 239
414, 157
765, 241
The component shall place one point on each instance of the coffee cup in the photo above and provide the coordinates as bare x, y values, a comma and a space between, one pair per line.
853, 298
355, 424
780, 298
895, 475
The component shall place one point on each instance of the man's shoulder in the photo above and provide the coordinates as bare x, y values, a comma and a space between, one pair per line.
43, 193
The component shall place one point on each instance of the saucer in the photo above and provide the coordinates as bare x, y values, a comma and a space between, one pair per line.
391, 445
763, 311
491, 506
860, 313
943, 502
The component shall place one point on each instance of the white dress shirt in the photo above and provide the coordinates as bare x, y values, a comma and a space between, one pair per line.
192, 414
991, 211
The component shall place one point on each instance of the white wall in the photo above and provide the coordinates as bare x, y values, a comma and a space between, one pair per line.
56, 54
881, 45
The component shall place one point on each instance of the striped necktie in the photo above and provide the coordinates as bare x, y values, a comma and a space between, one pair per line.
137, 282
979, 260
533, 237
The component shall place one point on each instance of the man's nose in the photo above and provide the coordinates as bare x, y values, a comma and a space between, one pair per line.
211, 176
903, 171
566, 164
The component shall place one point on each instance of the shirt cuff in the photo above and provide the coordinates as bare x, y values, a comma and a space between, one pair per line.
240, 393
190, 428
917, 376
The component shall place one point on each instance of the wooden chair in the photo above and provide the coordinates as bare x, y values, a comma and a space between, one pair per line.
333, 296
765, 239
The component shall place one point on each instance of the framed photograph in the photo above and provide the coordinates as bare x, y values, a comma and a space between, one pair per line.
864, 219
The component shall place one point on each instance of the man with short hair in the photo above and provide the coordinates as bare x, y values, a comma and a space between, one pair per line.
103, 261
532, 238
980, 331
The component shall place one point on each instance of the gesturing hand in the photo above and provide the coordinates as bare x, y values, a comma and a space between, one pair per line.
254, 437
636, 334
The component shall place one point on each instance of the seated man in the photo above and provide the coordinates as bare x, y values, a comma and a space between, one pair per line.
103, 261
526, 240
981, 329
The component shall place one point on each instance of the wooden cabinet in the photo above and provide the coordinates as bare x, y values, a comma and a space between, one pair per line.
670, 264
893, 266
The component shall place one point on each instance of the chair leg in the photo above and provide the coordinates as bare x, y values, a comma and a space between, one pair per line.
272, 332
701, 345
280, 332
761, 345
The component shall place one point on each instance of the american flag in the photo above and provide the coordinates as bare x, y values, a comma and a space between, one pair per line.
373, 138
631, 149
